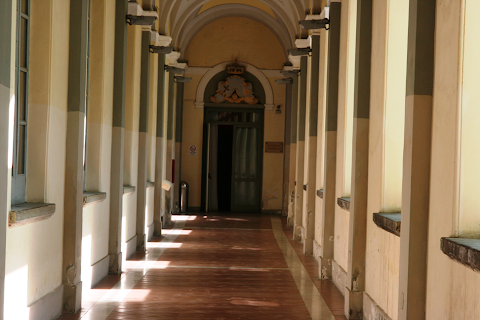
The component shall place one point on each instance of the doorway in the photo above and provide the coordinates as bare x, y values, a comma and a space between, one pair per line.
232, 163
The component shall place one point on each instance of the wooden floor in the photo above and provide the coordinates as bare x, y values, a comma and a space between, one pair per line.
218, 266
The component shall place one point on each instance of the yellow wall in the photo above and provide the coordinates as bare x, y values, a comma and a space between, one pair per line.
221, 41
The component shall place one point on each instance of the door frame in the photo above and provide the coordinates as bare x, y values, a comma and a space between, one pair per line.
260, 109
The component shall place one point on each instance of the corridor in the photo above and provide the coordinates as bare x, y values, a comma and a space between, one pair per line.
217, 266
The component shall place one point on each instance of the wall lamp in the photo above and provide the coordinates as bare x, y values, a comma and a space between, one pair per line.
284, 81
315, 24
173, 70
161, 50
288, 74
182, 79
300, 51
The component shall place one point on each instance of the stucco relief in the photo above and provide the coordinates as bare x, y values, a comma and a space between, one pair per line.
234, 90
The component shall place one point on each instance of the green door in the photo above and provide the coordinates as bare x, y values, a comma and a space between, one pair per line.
247, 168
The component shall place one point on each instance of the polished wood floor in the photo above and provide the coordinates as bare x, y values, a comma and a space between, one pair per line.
215, 266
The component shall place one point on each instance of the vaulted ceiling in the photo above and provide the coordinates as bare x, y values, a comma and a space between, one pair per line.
183, 19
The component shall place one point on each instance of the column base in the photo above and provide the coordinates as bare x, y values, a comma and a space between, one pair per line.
353, 304
141, 242
157, 228
297, 233
72, 297
325, 268
308, 247
115, 264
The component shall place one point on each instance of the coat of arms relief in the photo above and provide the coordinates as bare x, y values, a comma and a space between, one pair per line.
234, 90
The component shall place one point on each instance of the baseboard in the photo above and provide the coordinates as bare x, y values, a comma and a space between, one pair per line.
339, 277
150, 230
131, 247
371, 310
100, 270
49, 307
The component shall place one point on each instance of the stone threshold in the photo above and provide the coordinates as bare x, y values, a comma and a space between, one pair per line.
463, 250
25, 213
150, 184
389, 222
91, 197
344, 203
320, 193
127, 190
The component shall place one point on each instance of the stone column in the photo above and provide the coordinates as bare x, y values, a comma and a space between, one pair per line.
6, 93
416, 160
178, 143
170, 155
293, 153
143, 141
73, 203
118, 131
311, 155
286, 154
330, 167
159, 155
301, 114
357, 241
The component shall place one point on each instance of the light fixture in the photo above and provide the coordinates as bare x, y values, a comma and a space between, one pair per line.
315, 24
284, 81
173, 70
182, 79
290, 73
161, 50
300, 51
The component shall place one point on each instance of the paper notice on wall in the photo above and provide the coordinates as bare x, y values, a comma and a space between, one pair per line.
193, 150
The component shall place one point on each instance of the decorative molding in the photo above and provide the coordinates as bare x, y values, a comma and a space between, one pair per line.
26, 213
234, 89
303, 43
269, 73
390, 222
267, 87
93, 197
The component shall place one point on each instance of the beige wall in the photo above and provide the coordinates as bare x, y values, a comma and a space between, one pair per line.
222, 41
452, 288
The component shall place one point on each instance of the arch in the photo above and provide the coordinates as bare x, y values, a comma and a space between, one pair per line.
199, 103
191, 27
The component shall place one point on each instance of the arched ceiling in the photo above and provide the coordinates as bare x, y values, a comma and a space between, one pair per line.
183, 19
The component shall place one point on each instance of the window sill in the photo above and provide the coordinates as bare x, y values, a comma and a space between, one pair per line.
390, 222
344, 203
320, 193
465, 251
25, 213
128, 190
93, 197
150, 184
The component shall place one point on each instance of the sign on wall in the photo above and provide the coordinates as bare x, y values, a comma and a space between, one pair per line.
193, 150
273, 147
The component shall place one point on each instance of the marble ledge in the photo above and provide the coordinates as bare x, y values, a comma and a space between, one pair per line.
25, 213
390, 222
463, 250
91, 197
344, 203
128, 190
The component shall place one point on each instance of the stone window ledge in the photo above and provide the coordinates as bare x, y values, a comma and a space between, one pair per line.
26, 213
150, 184
463, 250
320, 193
390, 222
93, 197
344, 203
127, 190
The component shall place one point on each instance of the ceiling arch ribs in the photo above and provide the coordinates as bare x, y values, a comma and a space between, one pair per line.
233, 10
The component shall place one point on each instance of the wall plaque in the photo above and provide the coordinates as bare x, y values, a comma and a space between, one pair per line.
273, 147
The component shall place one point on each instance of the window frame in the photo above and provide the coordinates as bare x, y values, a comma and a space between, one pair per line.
18, 194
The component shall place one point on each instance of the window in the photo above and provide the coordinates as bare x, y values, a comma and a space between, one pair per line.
21, 111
